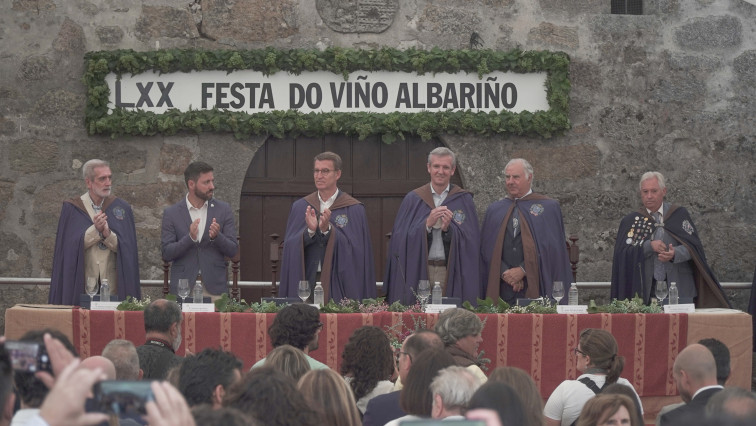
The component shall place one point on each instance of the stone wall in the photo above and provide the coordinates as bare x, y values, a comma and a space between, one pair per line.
672, 90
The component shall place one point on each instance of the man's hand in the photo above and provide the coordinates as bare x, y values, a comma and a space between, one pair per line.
64, 405
194, 229
658, 246
440, 212
60, 358
669, 255
101, 224
311, 218
325, 220
214, 229
512, 276
169, 407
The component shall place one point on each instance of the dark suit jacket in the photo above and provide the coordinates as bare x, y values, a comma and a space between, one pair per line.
694, 410
382, 409
189, 257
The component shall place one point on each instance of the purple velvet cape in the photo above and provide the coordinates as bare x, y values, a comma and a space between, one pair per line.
407, 260
543, 241
626, 274
347, 270
67, 279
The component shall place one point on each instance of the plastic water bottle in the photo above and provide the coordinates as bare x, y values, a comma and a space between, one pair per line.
436, 294
104, 290
317, 295
198, 292
573, 295
674, 294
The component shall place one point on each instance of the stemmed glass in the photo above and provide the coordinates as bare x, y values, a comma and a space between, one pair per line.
304, 290
661, 291
183, 289
557, 291
423, 291
91, 288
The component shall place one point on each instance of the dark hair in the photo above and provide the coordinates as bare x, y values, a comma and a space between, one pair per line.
294, 325
721, 358
620, 389
421, 340
200, 374
327, 392
205, 415
271, 398
416, 397
601, 346
722, 404
6, 378
519, 379
501, 398
368, 358
288, 360
31, 390
160, 315
604, 406
332, 156
194, 170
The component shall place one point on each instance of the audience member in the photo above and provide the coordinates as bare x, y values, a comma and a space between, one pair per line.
271, 398
206, 377
7, 398
695, 374
124, 356
452, 389
97, 362
609, 409
386, 407
328, 393
288, 360
620, 389
368, 364
501, 398
297, 325
460, 331
735, 403
162, 326
205, 415
526, 388
598, 360
416, 398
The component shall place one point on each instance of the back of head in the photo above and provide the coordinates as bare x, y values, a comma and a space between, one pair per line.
104, 364
271, 398
288, 360
294, 325
205, 415
601, 346
327, 392
200, 374
721, 354
160, 315
421, 340
734, 403
455, 385
620, 389
698, 363
124, 356
503, 399
527, 390
368, 358
30, 389
600, 408
416, 397
456, 323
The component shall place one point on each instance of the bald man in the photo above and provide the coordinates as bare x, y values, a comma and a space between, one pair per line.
102, 363
695, 373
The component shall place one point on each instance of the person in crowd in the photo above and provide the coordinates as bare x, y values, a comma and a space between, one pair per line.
435, 237
297, 325
659, 242
327, 239
124, 356
368, 364
609, 409
327, 392
225, 416
384, 408
616, 388
206, 377
452, 389
503, 400
288, 360
526, 388
7, 398
198, 234
460, 330
601, 364
270, 397
733, 402
695, 375
162, 327
416, 398
96, 238
30, 390
98, 362
523, 247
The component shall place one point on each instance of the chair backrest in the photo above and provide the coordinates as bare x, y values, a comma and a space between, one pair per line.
234, 274
573, 252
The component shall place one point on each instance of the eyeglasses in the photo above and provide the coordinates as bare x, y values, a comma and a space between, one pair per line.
399, 355
324, 172
579, 352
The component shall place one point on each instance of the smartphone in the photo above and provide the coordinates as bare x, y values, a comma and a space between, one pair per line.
28, 357
123, 397
442, 422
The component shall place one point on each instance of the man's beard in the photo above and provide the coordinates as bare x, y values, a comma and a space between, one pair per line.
313, 345
205, 196
177, 341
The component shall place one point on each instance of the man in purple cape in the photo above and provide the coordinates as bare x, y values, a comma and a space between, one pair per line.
659, 243
435, 237
523, 248
327, 240
96, 237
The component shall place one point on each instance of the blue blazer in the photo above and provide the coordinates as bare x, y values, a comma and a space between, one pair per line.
382, 409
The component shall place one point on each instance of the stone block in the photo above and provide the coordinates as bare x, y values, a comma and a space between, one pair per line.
561, 162
60, 108
124, 159
15, 256
248, 21
448, 25
174, 159
35, 68
33, 156
6, 193
7, 127
744, 67
33, 5
683, 88
156, 195
575, 7
70, 37
109, 36
165, 22
711, 32
694, 63
555, 36
367, 16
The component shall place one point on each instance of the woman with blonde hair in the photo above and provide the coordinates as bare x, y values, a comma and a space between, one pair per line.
288, 360
609, 409
327, 392
526, 389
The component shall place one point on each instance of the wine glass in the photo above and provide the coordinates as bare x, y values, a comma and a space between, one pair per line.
304, 290
91, 288
423, 290
557, 291
661, 291
183, 289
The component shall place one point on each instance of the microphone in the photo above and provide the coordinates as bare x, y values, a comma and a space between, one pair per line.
401, 271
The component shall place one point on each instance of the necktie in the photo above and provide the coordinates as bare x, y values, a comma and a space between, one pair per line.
515, 221
660, 272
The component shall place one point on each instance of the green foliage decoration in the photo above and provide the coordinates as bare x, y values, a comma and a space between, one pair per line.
342, 61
